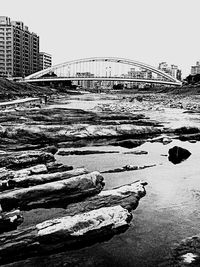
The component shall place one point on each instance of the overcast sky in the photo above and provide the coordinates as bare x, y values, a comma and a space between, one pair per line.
150, 31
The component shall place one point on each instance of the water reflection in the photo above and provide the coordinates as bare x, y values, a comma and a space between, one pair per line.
169, 212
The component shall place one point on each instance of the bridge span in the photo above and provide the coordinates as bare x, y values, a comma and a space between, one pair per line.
103, 69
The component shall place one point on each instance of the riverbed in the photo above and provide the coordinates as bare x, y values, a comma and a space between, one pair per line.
170, 210
88, 130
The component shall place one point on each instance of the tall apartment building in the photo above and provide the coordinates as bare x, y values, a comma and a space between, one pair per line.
45, 60
19, 49
195, 69
172, 70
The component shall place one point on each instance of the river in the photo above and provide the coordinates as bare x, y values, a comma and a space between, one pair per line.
170, 210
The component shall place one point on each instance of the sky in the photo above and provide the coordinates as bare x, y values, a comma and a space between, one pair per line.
150, 31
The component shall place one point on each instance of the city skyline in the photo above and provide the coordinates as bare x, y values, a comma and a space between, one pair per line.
147, 31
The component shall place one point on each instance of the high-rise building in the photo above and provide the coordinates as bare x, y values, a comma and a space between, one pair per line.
45, 60
141, 73
195, 69
172, 70
19, 49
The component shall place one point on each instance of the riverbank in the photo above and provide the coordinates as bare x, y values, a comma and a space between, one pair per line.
10, 90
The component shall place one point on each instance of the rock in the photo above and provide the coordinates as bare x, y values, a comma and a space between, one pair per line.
166, 140
127, 196
5, 174
129, 168
137, 152
37, 169
139, 98
192, 141
163, 139
130, 143
57, 167
18, 160
10, 221
54, 194
118, 117
64, 233
23, 147
178, 154
31, 180
84, 152
187, 130
44, 134
50, 149
146, 166
187, 137
122, 169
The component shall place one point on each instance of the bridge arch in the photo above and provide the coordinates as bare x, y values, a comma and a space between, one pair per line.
40, 74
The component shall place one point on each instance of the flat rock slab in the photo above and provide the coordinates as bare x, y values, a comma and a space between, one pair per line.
43, 134
127, 196
67, 232
6, 174
129, 168
18, 160
53, 194
188, 137
128, 143
21, 179
57, 167
137, 152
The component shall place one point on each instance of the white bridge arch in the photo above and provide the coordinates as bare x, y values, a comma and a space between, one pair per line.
72, 70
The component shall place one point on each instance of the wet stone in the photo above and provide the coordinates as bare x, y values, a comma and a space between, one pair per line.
178, 154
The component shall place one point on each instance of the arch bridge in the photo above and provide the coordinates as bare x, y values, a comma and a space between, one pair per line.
103, 69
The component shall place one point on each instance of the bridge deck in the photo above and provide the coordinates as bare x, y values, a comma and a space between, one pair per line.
122, 79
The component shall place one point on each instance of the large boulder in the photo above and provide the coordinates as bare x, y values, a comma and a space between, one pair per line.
178, 154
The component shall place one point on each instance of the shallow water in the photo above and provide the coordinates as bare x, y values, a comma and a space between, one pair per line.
170, 210
170, 117
174, 117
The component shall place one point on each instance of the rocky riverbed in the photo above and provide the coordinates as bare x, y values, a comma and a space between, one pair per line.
72, 172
